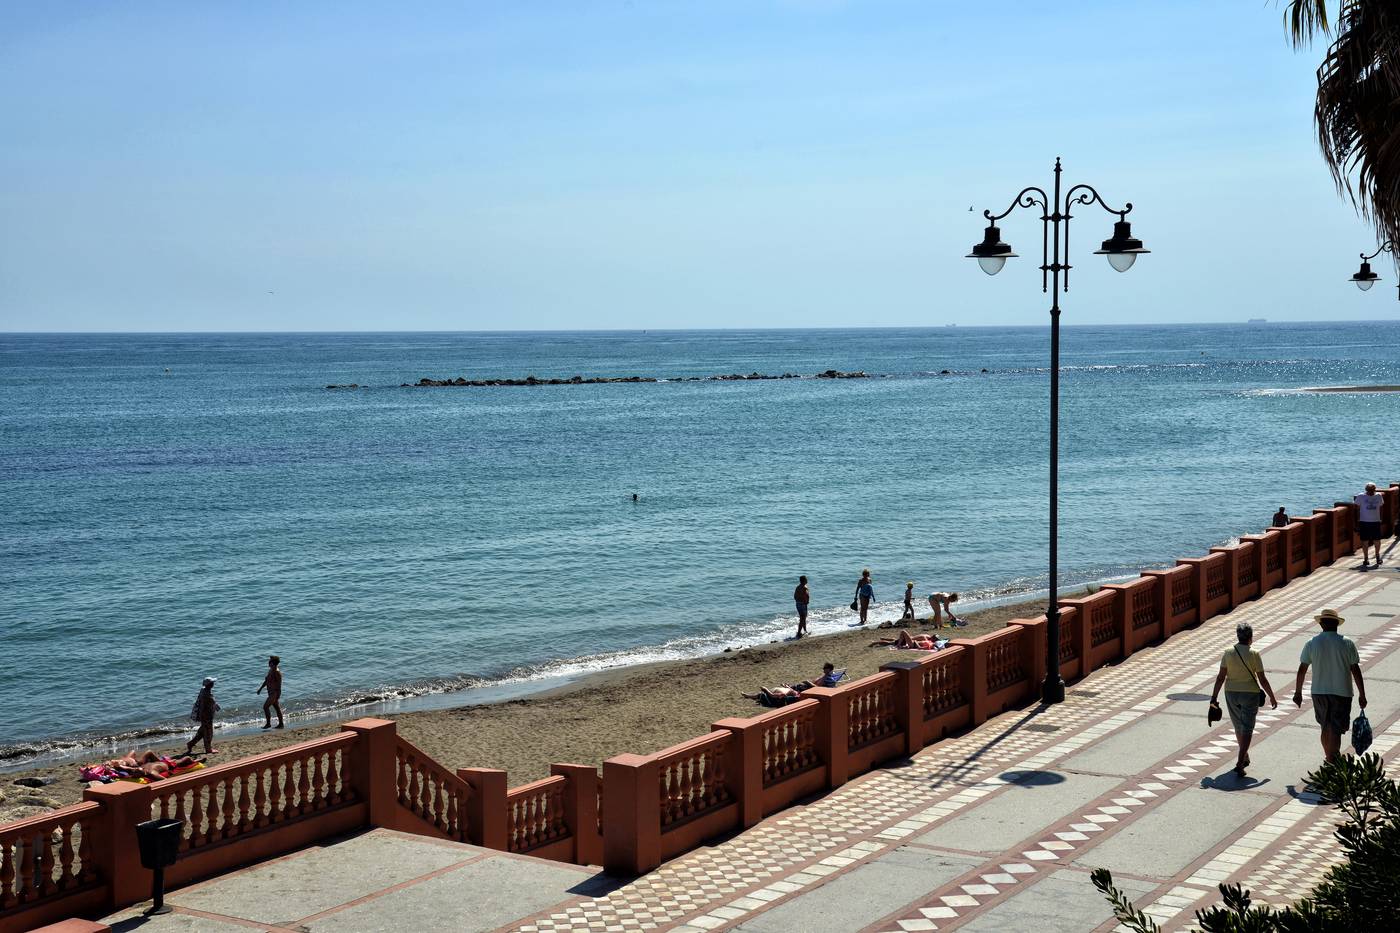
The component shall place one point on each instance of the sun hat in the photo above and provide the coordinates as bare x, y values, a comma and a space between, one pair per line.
1329, 615
910, 583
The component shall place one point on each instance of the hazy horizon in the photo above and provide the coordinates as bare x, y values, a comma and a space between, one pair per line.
629, 165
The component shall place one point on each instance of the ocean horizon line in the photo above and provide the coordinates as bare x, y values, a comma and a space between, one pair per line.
594, 331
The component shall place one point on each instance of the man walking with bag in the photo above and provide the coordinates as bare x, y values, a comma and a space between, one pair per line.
1335, 663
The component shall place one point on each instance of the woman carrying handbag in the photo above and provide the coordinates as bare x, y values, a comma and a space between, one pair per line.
1242, 675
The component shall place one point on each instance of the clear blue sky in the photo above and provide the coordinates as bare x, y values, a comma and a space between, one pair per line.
351, 166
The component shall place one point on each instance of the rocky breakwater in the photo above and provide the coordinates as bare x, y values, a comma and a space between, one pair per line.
527, 381
464, 382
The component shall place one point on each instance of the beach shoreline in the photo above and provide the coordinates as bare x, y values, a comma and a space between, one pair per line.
640, 708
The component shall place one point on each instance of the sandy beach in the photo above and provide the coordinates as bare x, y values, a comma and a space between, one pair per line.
638, 709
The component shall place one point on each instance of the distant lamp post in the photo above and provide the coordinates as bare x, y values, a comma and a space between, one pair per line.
1122, 250
1364, 277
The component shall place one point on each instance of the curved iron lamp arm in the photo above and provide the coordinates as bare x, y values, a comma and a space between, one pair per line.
1087, 194
1032, 196
1385, 247
1024, 199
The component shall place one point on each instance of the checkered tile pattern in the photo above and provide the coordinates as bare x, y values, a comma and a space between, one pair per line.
717, 887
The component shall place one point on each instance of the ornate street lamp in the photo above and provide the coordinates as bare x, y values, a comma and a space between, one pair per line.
1364, 278
1122, 250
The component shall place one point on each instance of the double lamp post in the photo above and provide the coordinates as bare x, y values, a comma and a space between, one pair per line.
1122, 250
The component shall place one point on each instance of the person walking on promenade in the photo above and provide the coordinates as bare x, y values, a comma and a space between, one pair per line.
1242, 675
941, 603
908, 603
865, 592
1368, 523
273, 684
1280, 518
1335, 665
205, 706
802, 596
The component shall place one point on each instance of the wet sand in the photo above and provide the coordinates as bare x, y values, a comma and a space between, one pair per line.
640, 709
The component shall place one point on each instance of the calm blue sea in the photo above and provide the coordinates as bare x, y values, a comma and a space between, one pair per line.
183, 505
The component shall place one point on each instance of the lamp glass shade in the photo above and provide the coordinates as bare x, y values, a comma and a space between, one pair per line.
1122, 261
991, 264
1364, 284
1122, 248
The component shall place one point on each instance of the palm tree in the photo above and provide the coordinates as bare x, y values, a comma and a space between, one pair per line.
1358, 100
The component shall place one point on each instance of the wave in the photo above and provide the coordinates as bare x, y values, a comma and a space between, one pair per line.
468, 690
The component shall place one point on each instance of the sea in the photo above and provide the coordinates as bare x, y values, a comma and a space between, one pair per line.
178, 506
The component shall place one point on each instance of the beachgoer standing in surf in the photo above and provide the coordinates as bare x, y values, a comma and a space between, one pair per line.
802, 596
273, 684
203, 712
865, 592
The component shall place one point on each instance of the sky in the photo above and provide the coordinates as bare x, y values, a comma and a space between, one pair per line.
628, 164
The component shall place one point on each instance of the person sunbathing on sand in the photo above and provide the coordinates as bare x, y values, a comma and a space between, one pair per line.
158, 767
917, 642
784, 694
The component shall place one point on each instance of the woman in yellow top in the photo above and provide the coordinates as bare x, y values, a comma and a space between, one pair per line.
1242, 674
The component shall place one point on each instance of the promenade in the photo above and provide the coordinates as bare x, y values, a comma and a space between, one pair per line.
994, 830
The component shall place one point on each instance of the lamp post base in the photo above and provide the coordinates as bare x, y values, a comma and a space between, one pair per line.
1053, 689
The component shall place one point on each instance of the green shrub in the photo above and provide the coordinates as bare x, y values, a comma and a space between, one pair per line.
1360, 893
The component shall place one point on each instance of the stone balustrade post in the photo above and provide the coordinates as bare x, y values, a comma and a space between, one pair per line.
374, 768
1038, 651
631, 814
1198, 584
1260, 559
1353, 542
974, 677
581, 811
745, 770
1232, 572
118, 859
486, 807
908, 702
833, 732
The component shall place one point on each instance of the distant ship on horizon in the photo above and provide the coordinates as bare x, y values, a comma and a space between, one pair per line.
1258, 320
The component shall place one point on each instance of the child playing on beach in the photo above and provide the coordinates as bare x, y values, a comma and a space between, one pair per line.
908, 602
205, 706
941, 603
273, 684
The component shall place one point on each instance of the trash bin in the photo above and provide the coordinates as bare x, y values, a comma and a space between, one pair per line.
159, 842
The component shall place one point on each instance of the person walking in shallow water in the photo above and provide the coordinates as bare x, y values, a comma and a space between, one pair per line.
865, 592
1335, 665
273, 684
1242, 675
802, 596
205, 706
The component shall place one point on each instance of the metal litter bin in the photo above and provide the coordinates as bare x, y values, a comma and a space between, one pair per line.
159, 842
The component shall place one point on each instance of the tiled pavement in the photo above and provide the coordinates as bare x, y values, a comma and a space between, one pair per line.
994, 830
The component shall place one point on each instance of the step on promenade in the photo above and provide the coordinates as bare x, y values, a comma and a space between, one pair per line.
994, 830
